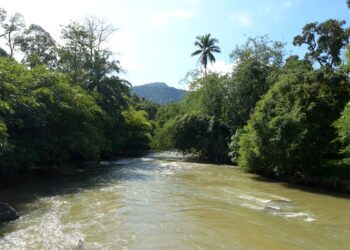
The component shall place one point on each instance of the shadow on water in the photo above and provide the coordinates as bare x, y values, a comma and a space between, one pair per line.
72, 180
303, 186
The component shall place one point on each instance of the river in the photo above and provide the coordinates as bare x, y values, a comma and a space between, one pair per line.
166, 201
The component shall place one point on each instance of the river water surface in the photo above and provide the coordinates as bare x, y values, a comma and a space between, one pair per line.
164, 201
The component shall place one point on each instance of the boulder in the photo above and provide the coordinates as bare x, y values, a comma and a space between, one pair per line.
7, 213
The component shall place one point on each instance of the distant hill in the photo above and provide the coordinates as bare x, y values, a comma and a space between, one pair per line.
159, 92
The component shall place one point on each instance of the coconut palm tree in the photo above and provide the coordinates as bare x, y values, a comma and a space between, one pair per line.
207, 47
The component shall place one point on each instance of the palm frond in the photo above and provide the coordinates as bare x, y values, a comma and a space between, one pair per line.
197, 52
198, 44
215, 49
211, 57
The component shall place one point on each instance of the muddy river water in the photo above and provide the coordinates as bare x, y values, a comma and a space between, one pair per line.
165, 201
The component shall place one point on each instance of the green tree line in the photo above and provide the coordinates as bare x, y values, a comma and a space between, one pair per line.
273, 115
64, 102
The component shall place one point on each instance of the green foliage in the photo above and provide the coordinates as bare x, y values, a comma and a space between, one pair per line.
325, 41
137, 130
261, 50
73, 109
83, 55
209, 97
48, 121
224, 100
38, 47
248, 83
234, 146
151, 108
168, 112
3, 139
199, 134
290, 132
163, 138
165, 120
343, 129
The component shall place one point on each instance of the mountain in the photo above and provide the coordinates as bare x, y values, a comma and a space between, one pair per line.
159, 92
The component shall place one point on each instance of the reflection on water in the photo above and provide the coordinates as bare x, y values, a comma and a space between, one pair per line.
165, 201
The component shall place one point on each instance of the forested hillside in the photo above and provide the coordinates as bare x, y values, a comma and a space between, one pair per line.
159, 92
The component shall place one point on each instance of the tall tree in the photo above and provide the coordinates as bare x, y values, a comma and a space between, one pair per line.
260, 49
85, 56
73, 52
325, 41
207, 47
11, 29
38, 47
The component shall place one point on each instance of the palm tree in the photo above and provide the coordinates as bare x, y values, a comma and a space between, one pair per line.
207, 47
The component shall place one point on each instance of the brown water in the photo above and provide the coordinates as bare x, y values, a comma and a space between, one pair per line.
164, 202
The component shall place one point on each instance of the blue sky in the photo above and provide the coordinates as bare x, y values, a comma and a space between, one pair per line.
155, 37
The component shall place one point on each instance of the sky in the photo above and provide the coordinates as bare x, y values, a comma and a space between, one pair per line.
154, 40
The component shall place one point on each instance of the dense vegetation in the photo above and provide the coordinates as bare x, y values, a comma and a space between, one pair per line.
272, 115
62, 103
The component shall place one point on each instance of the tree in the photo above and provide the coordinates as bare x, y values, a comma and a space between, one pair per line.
150, 107
199, 134
137, 130
257, 64
11, 29
38, 47
3, 15
208, 99
325, 41
207, 47
85, 56
46, 120
290, 132
73, 52
249, 82
343, 129
262, 50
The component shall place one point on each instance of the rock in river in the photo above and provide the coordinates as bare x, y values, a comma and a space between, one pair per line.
7, 213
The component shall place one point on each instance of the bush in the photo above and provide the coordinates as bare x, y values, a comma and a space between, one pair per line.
137, 130
343, 129
46, 120
291, 132
199, 134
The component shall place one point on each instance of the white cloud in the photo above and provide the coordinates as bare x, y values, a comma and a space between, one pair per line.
273, 9
287, 4
276, 8
243, 18
220, 67
163, 17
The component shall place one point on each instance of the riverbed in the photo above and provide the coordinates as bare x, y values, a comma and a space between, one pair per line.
168, 201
